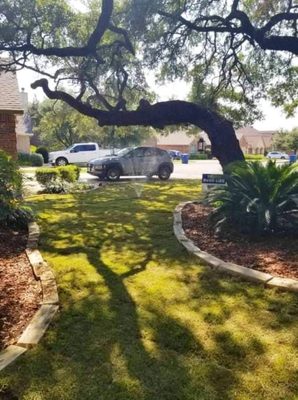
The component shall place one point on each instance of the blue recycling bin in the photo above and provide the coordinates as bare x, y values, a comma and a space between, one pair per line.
184, 158
292, 158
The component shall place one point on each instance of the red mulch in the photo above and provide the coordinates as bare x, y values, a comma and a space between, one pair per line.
275, 255
20, 293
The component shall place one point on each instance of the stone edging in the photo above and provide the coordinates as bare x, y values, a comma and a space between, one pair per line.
49, 305
231, 268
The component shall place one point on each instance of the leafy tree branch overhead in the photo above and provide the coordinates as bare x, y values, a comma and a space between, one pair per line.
234, 53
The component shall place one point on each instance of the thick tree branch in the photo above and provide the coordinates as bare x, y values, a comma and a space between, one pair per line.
225, 145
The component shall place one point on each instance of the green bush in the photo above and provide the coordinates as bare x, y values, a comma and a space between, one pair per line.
69, 173
36, 160
57, 180
30, 160
198, 156
12, 212
258, 198
254, 156
44, 152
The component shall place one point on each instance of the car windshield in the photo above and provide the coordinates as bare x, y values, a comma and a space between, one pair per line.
123, 152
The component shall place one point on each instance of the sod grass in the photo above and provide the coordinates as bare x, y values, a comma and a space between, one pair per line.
141, 319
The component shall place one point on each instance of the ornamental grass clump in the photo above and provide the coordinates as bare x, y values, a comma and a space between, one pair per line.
12, 212
258, 199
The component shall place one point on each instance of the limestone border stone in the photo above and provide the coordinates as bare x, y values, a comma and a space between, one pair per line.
220, 265
49, 305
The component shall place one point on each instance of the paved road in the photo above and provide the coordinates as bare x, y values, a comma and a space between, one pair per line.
193, 170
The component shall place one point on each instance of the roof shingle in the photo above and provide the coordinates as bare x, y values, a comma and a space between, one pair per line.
10, 99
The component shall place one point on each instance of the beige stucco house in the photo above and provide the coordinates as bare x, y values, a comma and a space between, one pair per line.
15, 126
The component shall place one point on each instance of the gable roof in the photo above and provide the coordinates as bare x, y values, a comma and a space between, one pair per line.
10, 99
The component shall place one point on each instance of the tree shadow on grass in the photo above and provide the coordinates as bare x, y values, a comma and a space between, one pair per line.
104, 345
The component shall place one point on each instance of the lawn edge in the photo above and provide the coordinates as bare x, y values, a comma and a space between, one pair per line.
49, 305
233, 269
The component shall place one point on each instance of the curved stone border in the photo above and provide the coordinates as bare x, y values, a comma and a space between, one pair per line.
49, 306
231, 268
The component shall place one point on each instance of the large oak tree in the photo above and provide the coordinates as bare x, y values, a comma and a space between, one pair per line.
235, 52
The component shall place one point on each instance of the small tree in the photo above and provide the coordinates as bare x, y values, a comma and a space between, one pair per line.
286, 140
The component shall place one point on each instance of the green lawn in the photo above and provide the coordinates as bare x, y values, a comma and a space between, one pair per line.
141, 319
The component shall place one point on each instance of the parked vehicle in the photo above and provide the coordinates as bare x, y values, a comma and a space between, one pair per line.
136, 161
175, 154
278, 155
78, 153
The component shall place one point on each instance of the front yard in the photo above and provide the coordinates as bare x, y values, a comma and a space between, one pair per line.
141, 319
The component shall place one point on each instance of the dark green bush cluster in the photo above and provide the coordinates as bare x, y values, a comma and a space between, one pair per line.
258, 198
12, 212
199, 156
57, 180
30, 160
44, 152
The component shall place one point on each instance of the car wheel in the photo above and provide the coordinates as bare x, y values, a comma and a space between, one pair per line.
164, 173
61, 162
282, 158
113, 174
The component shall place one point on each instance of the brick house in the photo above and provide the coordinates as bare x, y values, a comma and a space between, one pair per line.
250, 139
253, 141
177, 140
14, 135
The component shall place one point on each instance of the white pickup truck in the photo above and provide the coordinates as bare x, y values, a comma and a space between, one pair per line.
78, 153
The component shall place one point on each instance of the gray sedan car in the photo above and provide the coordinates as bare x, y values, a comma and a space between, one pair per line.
135, 161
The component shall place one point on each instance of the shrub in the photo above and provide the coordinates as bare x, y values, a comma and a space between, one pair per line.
11, 210
258, 198
44, 152
69, 173
31, 160
36, 160
57, 180
199, 156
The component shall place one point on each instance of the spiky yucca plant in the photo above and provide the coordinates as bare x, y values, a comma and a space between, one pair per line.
258, 198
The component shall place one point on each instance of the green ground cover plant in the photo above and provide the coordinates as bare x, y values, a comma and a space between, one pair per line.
141, 319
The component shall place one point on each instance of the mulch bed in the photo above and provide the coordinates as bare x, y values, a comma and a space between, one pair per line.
277, 256
20, 293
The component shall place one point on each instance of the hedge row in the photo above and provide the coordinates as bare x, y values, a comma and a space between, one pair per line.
254, 156
201, 156
48, 176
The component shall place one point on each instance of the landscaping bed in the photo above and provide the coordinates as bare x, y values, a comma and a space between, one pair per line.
20, 293
274, 255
